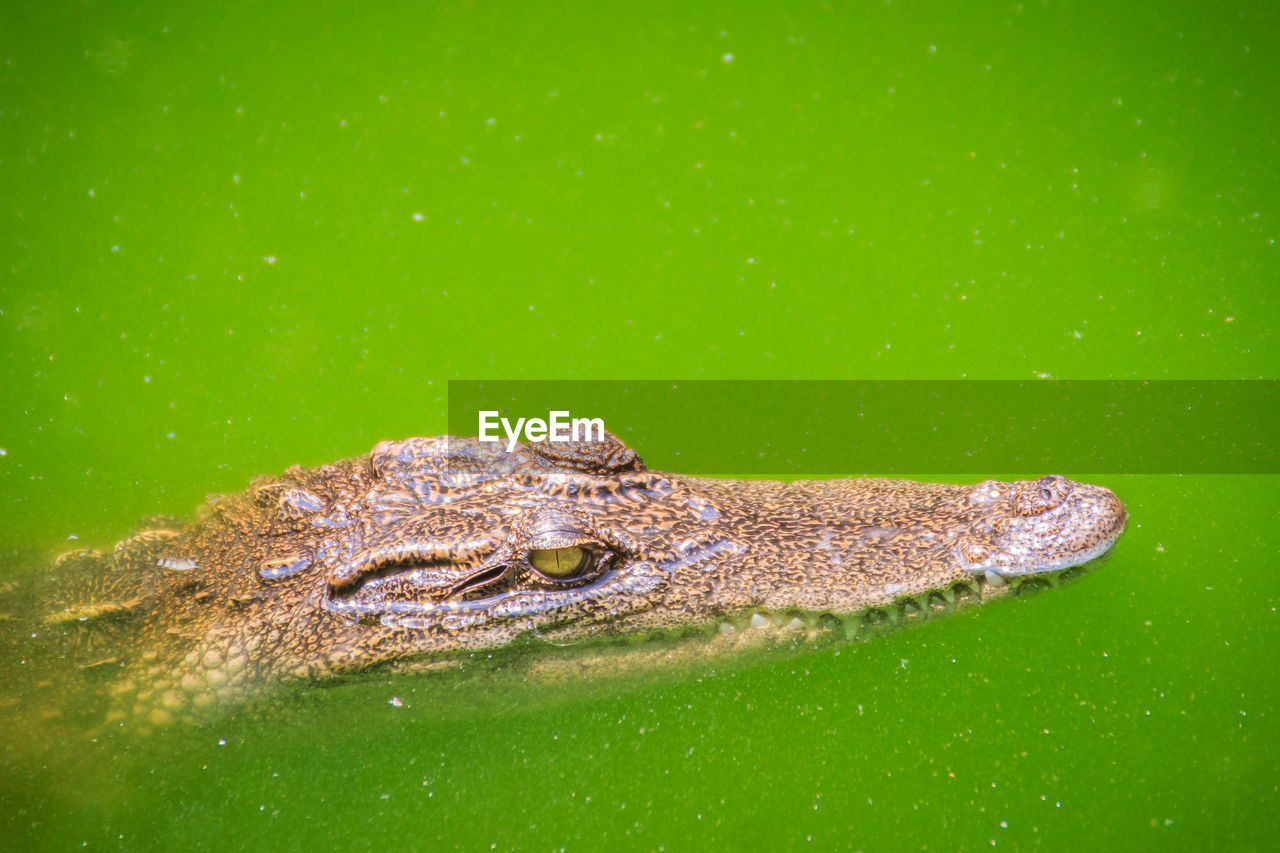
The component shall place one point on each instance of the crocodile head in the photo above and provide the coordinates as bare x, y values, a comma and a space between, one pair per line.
430, 548
473, 545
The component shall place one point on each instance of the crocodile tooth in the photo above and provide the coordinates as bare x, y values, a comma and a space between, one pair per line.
1035, 583
830, 622
758, 620
796, 623
1069, 574
726, 628
993, 578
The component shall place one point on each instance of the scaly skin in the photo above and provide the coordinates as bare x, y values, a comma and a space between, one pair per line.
424, 550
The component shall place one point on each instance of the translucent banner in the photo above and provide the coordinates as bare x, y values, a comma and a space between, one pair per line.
962, 427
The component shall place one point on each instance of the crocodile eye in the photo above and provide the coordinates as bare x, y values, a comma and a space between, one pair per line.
560, 563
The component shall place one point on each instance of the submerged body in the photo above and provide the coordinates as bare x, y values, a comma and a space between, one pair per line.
428, 549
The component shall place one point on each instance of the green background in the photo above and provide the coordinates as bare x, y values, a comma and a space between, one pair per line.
254, 235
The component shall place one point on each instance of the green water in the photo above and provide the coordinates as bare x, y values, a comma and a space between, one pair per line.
246, 237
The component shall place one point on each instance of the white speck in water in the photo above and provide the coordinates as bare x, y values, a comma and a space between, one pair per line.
418, 217
728, 57
270, 259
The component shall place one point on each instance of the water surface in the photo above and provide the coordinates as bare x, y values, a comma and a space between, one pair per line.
240, 238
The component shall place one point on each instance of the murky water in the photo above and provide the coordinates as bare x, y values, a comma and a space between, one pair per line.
248, 237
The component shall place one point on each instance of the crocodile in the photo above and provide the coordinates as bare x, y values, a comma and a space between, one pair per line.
426, 552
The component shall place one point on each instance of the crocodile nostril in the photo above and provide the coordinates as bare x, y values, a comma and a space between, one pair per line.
1041, 496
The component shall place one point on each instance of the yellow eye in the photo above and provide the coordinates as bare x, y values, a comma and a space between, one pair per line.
560, 563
